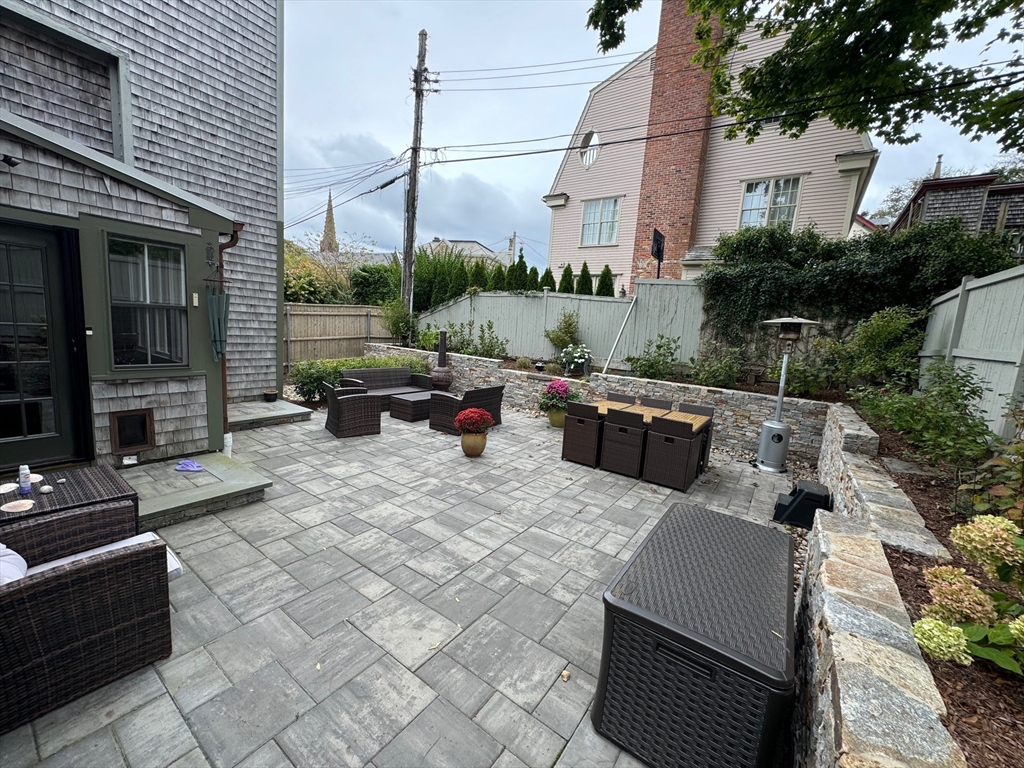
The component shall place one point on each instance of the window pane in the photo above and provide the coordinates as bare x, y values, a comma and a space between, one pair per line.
35, 380
32, 343
127, 264
8, 353
39, 417
10, 420
129, 330
591, 219
29, 305
167, 336
166, 276
755, 204
9, 382
6, 311
27, 265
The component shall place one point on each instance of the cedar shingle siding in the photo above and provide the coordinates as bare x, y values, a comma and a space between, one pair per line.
964, 204
62, 89
204, 100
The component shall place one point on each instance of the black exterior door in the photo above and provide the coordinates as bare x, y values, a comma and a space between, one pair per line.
44, 402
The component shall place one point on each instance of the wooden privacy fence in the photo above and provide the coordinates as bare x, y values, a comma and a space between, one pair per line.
329, 331
981, 324
671, 307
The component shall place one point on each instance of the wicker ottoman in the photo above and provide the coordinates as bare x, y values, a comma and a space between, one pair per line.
697, 667
414, 406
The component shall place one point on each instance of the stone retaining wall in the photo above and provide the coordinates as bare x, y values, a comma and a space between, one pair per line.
738, 415
866, 698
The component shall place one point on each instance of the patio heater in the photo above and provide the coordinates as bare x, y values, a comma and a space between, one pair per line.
774, 446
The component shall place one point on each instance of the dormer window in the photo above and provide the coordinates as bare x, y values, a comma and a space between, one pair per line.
590, 148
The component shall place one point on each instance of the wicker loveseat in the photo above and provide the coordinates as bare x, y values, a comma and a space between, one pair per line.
444, 407
386, 382
76, 627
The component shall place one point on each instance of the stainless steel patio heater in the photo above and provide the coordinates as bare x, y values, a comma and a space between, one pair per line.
774, 447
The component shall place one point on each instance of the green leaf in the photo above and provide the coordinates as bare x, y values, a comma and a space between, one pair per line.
974, 632
1000, 635
995, 595
1002, 658
1005, 572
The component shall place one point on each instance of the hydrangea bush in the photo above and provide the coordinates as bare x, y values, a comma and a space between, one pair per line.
575, 357
964, 621
557, 395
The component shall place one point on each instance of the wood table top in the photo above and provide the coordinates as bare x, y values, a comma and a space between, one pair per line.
604, 405
648, 413
696, 419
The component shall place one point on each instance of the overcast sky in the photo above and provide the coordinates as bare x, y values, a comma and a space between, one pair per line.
348, 101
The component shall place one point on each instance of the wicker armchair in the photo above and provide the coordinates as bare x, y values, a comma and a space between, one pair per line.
351, 411
444, 407
581, 437
76, 627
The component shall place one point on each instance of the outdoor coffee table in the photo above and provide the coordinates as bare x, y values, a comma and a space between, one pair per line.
697, 666
82, 487
414, 406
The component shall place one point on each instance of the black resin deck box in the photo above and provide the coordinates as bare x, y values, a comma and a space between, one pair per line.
697, 667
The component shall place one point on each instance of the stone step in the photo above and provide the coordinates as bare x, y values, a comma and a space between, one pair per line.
254, 414
167, 496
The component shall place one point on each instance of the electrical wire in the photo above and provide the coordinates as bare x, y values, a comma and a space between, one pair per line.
378, 188
549, 64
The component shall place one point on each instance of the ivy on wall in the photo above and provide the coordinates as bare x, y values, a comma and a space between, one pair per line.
770, 272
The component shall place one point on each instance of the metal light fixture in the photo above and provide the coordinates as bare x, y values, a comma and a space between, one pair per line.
774, 446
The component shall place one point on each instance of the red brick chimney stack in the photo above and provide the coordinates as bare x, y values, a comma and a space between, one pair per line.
674, 166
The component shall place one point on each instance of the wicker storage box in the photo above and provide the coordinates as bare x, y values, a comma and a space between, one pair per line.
697, 667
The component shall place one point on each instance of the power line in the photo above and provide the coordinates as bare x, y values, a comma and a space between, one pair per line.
539, 87
530, 74
538, 66
378, 188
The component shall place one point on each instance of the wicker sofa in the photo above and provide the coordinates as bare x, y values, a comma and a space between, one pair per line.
386, 382
78, 626
444, 407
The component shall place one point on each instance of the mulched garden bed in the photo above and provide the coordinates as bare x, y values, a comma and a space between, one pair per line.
985, 703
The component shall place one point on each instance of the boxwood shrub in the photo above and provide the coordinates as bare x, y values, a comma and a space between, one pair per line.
307, 375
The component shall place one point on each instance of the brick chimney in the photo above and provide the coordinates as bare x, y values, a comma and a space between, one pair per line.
673, 167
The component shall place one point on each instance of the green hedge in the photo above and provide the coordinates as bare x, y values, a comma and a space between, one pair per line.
309, 374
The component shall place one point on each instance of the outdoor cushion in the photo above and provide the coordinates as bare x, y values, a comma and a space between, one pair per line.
12, 565
174, 569
388, 391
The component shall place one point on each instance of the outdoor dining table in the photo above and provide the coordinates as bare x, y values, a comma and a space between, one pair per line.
604, 405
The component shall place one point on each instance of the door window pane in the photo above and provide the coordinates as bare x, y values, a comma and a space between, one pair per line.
39, 417
8, 381
35, 380
166, 276
32, 343
6, 311
27, 265
10, 420
29, 305
8, 352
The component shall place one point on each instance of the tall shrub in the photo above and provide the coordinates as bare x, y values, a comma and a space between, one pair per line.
533, 280
547, 280
459, 280
585, 283
605, 283
568, 282
442, 286
497, 281
375, 283
478, 277
517, 276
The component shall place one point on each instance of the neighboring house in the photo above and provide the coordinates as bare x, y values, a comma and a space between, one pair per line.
691, 184
861, 226
980, 203
474, 250
140, 141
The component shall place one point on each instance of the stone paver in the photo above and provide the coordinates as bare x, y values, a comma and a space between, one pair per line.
390, 602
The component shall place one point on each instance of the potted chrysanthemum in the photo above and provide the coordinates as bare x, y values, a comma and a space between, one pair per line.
473, 424
555, 400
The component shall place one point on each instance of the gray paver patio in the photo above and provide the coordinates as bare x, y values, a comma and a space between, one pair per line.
389, 603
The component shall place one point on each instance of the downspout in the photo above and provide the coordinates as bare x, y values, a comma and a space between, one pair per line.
237, 227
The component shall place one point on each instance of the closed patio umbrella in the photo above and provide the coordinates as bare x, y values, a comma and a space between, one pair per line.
217, 301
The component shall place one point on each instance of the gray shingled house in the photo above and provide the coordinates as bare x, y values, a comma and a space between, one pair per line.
141, 144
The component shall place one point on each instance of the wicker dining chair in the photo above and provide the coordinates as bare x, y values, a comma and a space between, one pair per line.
618, 397
702, 410
75, 627
653, 402
581, 437
351, 411
672, 453
622, 443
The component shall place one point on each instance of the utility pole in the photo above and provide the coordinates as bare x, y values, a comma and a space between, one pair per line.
419, 79
512, 249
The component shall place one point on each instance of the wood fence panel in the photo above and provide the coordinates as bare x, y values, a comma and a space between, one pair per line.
981, 324
330, 331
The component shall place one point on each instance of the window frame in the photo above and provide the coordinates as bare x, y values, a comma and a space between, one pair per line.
799, 177
600, 221
148, 305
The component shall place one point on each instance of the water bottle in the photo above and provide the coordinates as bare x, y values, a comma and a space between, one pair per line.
24, 480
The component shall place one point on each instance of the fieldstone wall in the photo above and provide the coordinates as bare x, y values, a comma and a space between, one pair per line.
738, 415
179, 414
866, 698
863, 490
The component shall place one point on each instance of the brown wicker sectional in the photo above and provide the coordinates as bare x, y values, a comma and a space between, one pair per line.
386, 382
